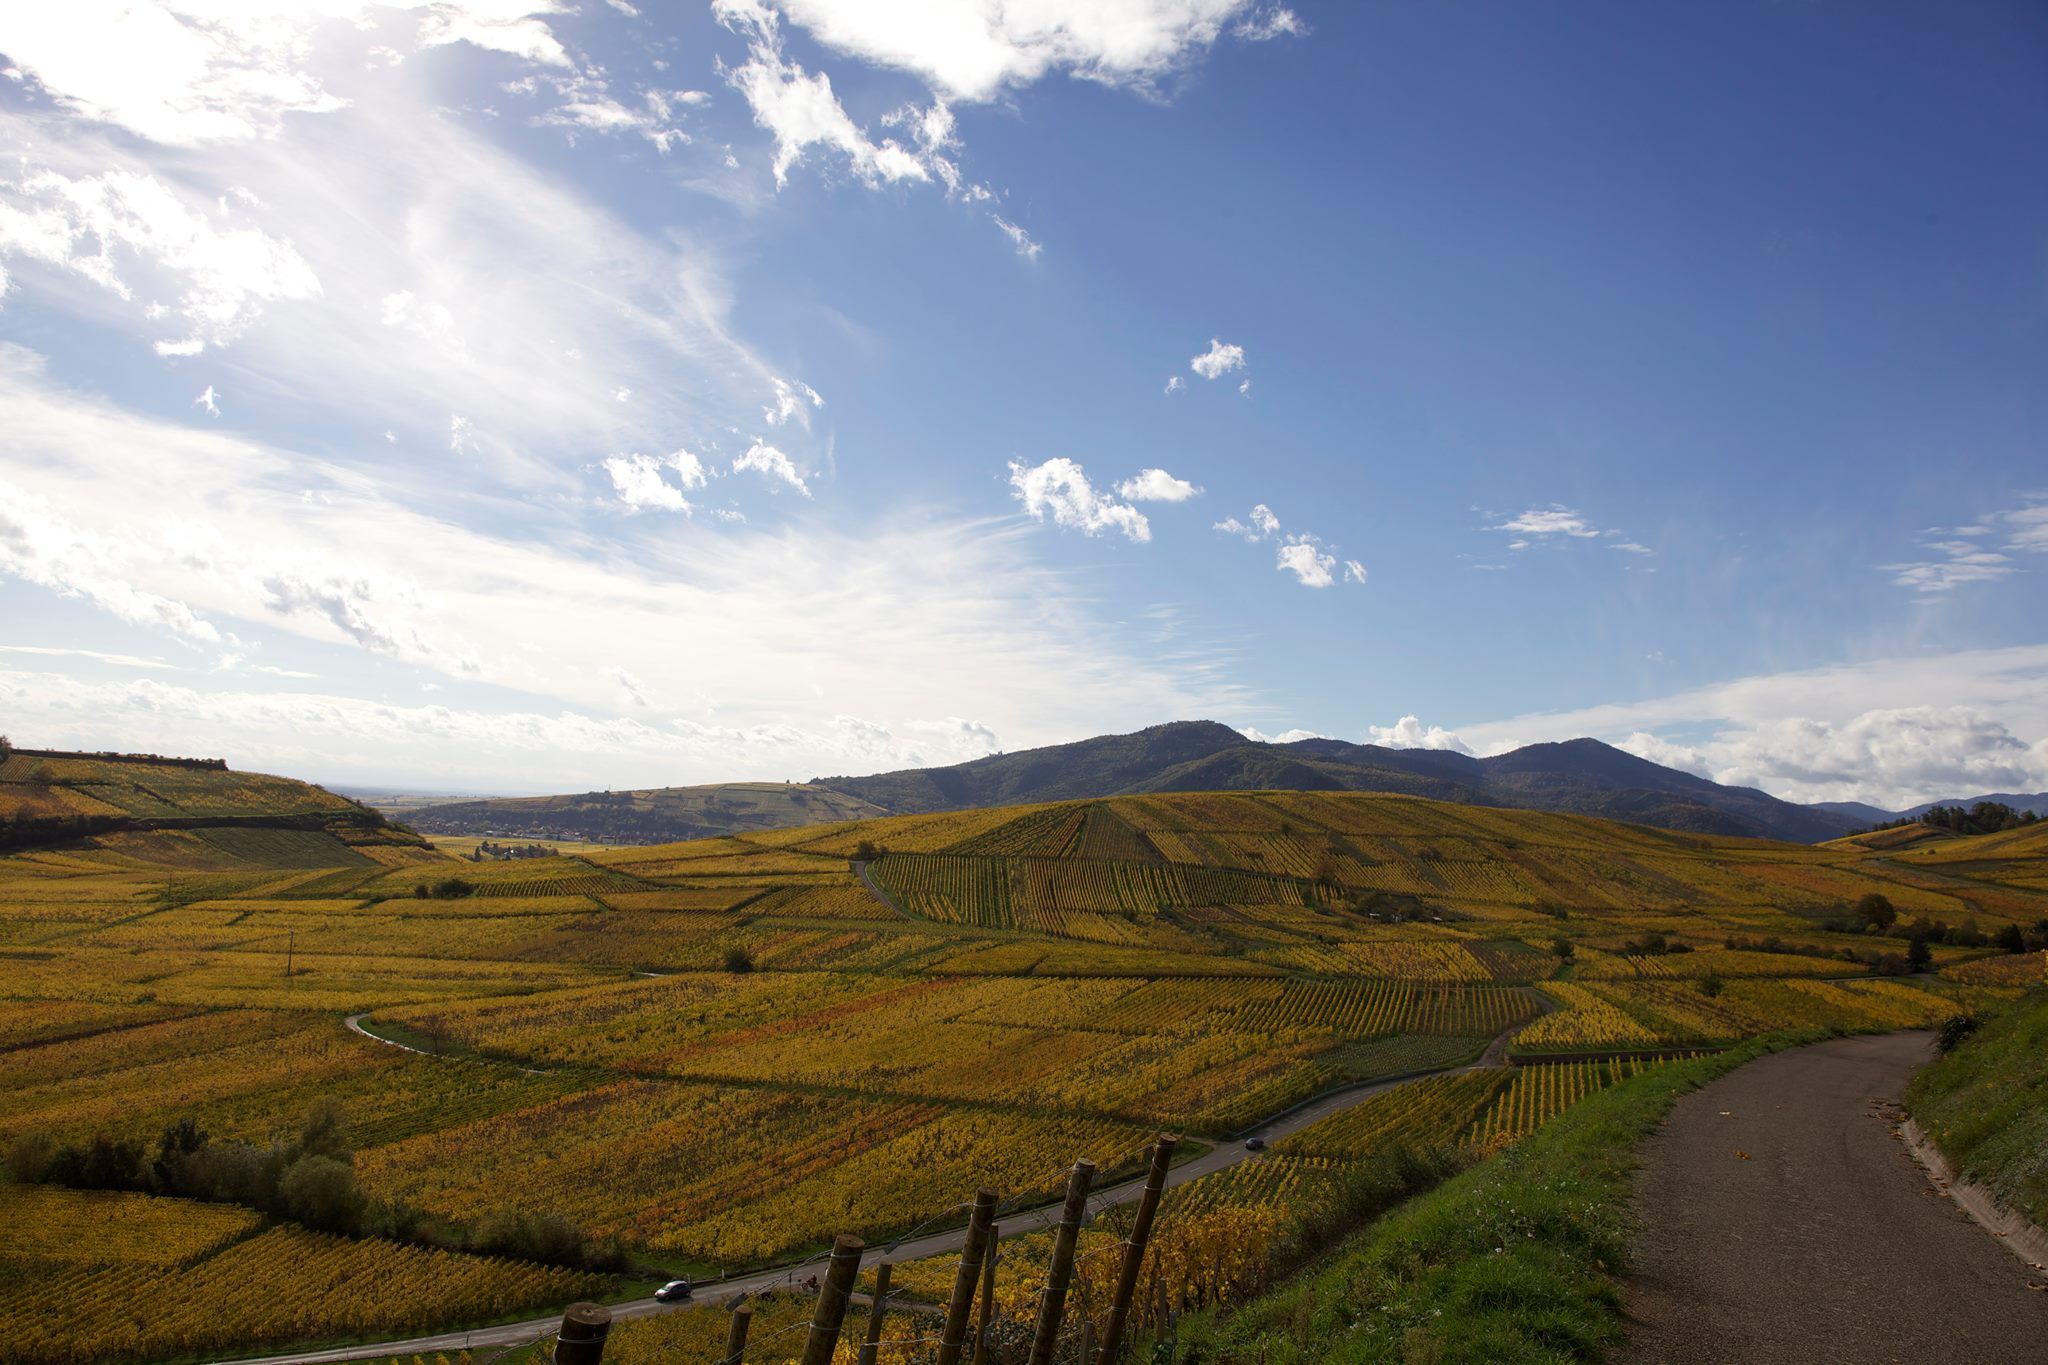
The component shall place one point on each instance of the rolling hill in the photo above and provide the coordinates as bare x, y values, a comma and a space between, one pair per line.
657, 815
1581, 776
189, 812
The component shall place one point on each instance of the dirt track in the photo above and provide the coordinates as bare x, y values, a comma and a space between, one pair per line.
1827, 1243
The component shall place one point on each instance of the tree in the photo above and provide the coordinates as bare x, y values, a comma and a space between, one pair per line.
2011, 939
1562, 946
738, 960
1877, 911
1917, 956
324, 1133
322, 1193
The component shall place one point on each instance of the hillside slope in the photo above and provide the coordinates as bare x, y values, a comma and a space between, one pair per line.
1581, 776
178, 811
656, 815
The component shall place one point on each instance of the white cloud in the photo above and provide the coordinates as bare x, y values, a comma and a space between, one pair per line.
461, 433
1892, 732
791, 396
1019, 238
128, 233
1156, 485
1060, 487
194, 529
976, 49
587, 105
97, 656
640, 484
798, 107
1173, 384
1300, 557
1264, 26
1408, 733
1244, 390
635, 691
1218, 360
208, 399
1554, 520
1354, 572
1982, 552
766, 459
1262, 523
1284, 737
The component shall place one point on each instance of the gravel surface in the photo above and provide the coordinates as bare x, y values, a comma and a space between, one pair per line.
1783, 1220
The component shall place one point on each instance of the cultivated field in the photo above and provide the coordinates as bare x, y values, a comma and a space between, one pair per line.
722, 1053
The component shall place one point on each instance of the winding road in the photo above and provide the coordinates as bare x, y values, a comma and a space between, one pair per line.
1220, 1157
1784, 1220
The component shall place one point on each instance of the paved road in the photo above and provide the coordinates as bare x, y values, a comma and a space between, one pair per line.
1220, 1157
1826, 1242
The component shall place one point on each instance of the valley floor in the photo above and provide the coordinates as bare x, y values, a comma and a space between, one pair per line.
1782, 1220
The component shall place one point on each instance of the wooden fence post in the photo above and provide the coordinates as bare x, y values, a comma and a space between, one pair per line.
983, 1343
872, 1346
962, 1303
736, 1326
1134, 1251
830, 1314
1087, 1341
581, 1340
1053, 1305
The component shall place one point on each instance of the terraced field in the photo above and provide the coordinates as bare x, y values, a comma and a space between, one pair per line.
724, 1052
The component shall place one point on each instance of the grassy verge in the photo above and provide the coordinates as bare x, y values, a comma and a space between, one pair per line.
1512, 1261
1985, 1105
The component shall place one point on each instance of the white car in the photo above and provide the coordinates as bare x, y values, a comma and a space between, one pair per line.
675, 1291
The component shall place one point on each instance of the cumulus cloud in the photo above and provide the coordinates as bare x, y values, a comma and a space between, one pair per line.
208, 399
1059, 488
1156, 485
1559, 524
1891, 732
640, 482
790, 401
132, 234
799, 109
1259, 524
978, 49
1408, 733
1300, 557
1284, 737
1984, 551
1218, 360
1265, 25
765, 459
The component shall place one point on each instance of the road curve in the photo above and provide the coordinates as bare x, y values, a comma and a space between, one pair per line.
1782, 1219
1220, 1157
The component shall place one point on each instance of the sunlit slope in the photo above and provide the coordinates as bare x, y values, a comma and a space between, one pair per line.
1166, 867
186, 814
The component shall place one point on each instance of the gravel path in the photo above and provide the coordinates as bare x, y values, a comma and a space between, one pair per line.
1783, 1220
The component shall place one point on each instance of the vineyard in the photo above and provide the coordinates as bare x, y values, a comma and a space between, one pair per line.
722, 1053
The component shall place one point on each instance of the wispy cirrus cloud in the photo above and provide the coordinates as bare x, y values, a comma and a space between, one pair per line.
1984, 551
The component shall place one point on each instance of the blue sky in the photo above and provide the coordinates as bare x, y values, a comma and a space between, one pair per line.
509, 396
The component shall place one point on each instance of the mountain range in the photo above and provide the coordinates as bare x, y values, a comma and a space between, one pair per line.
1581, 776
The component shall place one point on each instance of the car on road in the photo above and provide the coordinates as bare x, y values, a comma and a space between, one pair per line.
1255, 1144
675, 1291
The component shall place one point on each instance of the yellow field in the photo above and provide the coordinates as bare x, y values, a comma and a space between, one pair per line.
725, 1052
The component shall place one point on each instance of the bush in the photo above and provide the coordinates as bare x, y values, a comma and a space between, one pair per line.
1562, 946
1876, 910
1712, 985
738, 960
30, 1156
321, 1192
1953, 1030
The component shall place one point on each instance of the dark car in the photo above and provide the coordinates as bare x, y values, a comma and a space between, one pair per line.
1255, 1144
675, 1291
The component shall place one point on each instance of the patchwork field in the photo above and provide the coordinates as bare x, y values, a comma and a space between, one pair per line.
721, 1053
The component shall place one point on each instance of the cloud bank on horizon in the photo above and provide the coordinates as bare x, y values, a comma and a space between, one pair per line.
499, 394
